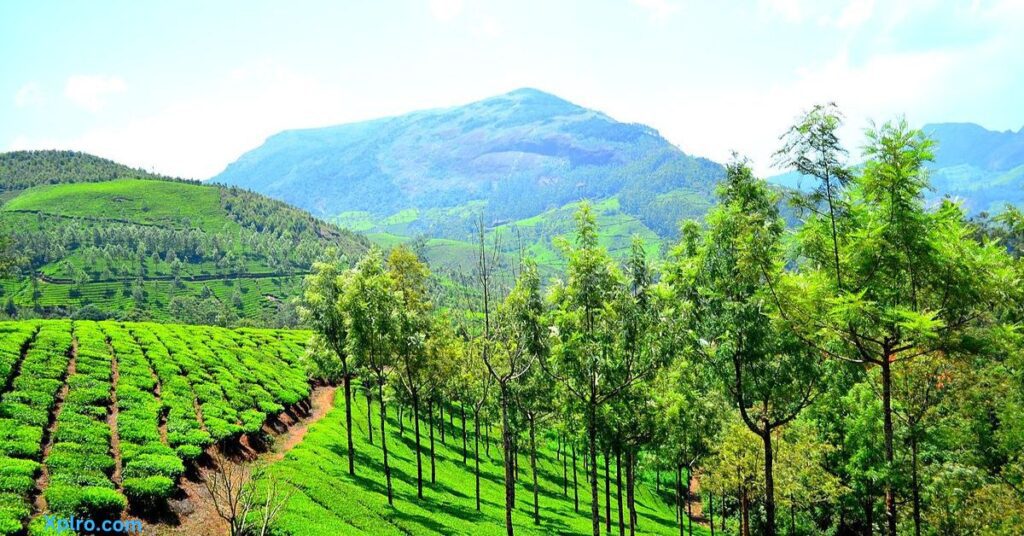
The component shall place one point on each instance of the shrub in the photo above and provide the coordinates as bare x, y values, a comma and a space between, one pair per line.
149, 491
16, 467
19, 484
154, 464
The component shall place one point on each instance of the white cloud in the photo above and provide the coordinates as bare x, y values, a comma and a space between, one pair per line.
91, 91
790, 10
28, 95
445, 10
856, 13
658, 9
713, 123
488, 26
196, 136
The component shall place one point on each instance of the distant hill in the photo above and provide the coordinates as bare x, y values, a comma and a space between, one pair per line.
24, 169
981, 168
509, 157
161, 249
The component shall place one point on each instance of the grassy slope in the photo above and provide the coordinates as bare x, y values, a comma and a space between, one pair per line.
141, 201
146, 204
329, 501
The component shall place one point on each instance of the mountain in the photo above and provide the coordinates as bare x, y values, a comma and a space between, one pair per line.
103, 242
510, 157
983, 169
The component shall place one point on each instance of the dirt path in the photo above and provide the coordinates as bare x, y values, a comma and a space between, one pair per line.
197, 513
321, 401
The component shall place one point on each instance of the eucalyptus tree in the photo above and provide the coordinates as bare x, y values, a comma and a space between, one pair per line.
533, 391
909, 280
372, 309
768, 372
512, 345
412, 361
583, 356
322, 310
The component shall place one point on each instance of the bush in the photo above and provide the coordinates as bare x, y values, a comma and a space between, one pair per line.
149, 491
16, 467
154, 464
16, 484
103, 502
94, 501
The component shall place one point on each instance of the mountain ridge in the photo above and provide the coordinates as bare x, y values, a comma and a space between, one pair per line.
513, 155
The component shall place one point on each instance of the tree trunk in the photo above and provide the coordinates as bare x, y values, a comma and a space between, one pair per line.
384, 443
723, 512
890, 492
915, 482
575, 483
869, 516
595, 513
769, 484
433, 469
679, 500
369, 416
401, 419
440, 414
744, 511
607, 494
462, 408
565, 472
348, 422
476, 457
419, 458
533, 469
711, 512
618, 492
689, 501
630, 495
506, 447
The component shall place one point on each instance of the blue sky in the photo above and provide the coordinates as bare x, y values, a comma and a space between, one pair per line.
185, 87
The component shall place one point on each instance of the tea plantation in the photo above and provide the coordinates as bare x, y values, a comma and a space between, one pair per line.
97, 417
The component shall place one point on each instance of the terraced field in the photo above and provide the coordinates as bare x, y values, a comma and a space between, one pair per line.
100, 417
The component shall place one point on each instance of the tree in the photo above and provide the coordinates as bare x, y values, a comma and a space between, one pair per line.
409, 277
768, 372
322, 310
909, 281
512, 343
372, 306
245, 496
532, 392
583, 358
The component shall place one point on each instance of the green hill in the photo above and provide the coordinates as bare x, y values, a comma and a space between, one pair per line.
24, 169
159, 249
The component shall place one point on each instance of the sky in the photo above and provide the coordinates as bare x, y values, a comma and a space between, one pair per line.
184, 88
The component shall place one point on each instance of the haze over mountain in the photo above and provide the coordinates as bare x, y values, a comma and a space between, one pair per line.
511, 156
524, 158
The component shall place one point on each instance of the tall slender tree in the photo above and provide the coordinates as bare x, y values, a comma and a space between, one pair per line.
583, 355
322, 309
371, 306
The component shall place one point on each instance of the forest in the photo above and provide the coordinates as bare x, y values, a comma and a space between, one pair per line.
859, 372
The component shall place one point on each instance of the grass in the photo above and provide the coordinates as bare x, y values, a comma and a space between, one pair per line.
329, 501
145, 202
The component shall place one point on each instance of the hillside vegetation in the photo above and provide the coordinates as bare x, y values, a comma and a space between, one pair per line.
103, 417
160, 249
